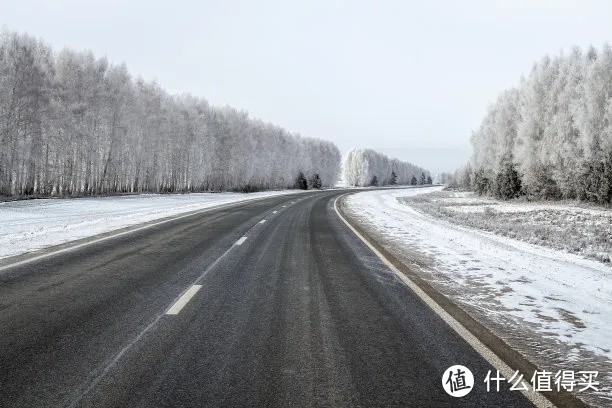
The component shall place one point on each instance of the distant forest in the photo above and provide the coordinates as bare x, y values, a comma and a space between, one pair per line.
72, 124
550, 137
366, 167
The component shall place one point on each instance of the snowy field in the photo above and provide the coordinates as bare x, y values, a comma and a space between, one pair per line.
553, 306
30, 225
580, 228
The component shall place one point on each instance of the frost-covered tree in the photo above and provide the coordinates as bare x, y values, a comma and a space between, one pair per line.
301, 182
72, 124
550, 137
508, 182
315, 181
360, 166
444, 178
393, 180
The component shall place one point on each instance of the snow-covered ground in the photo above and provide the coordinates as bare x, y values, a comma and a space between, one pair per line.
580, 228
553, 306
30, 225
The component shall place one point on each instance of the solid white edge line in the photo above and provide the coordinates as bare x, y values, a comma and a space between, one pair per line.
240, 241
95, 241
536, 398
262, 221
183, 300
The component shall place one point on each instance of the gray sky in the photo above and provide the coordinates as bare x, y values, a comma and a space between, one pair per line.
408, 78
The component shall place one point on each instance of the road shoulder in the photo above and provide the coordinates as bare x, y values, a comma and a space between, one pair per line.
500, 349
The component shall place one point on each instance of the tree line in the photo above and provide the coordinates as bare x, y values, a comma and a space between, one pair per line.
73, 124
550, 137
366, 167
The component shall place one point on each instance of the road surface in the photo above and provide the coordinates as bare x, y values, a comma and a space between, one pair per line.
224, 309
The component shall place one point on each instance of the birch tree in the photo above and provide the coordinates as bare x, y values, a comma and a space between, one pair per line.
72, 124
551, 136
361, 166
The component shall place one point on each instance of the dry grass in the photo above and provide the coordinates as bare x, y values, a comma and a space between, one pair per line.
576, 228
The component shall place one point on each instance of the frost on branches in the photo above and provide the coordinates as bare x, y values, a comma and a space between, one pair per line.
72, 124
366, 167
551, 137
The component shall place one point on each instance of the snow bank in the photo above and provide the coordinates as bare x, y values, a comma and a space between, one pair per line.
27, 226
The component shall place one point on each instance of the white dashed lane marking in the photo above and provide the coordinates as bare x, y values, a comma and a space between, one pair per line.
183, 300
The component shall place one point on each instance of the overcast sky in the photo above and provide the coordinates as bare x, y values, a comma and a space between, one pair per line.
408, 78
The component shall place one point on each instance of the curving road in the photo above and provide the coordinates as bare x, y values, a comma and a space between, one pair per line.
291, 311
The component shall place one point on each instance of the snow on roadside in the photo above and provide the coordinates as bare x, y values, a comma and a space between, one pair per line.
553, 306
578, 228
30, 225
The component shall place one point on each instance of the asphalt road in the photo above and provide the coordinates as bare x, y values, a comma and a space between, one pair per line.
301, 314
